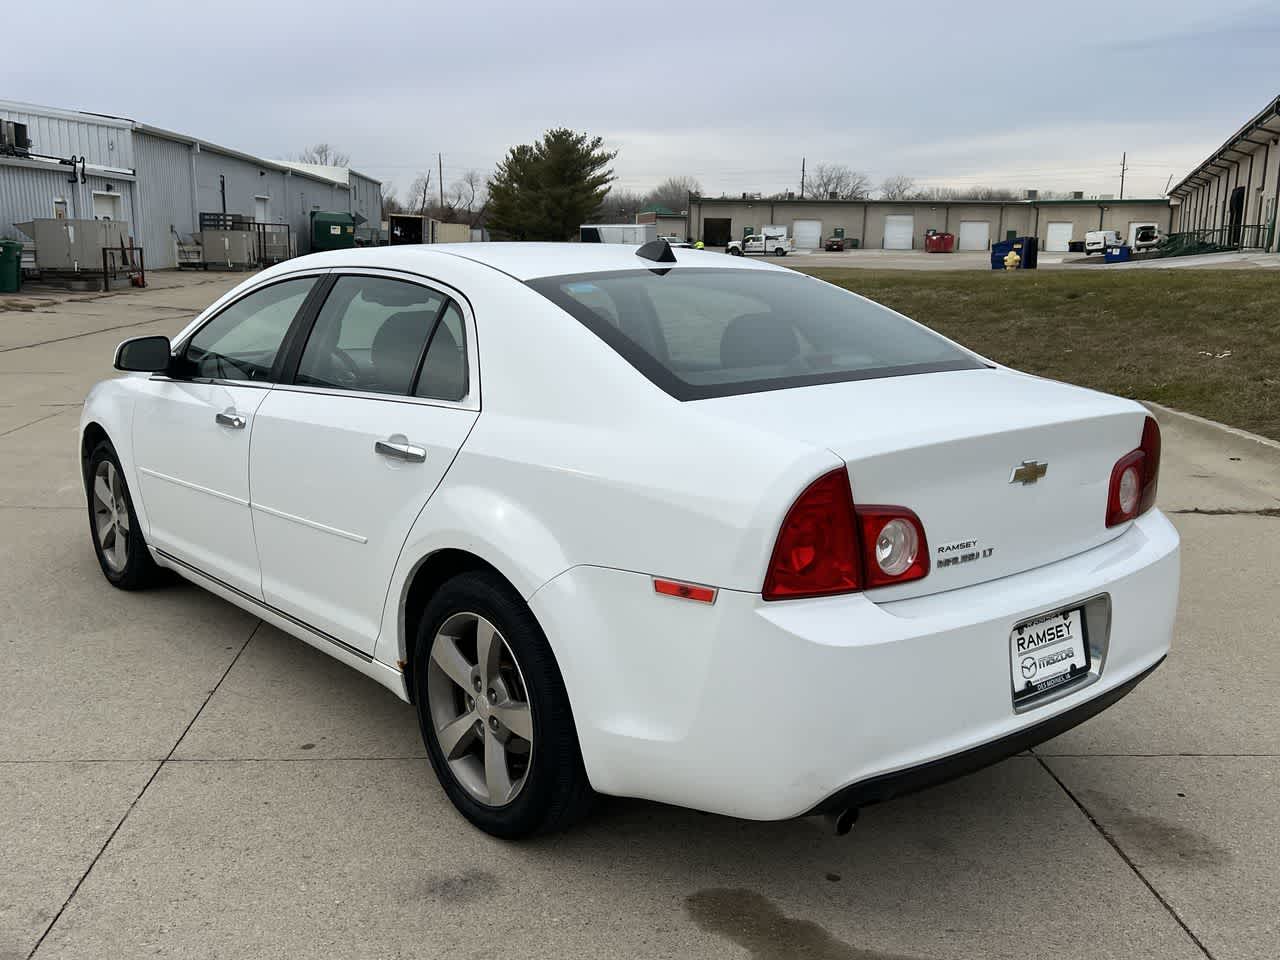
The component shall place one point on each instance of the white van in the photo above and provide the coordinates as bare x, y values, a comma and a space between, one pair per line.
1097, 241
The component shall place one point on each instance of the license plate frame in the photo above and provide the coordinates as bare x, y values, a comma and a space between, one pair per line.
1048, 653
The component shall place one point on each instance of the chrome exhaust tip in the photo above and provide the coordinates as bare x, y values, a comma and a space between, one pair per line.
842, 821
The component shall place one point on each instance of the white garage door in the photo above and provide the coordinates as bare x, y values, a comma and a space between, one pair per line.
975, 234
898, 232
808, 234
1057, 237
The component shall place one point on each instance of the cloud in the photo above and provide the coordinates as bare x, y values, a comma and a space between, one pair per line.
734, 94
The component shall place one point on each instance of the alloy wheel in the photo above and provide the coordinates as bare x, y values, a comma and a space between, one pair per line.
111, 516
479, 708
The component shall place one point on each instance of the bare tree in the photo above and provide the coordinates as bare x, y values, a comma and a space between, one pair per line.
324, 154
466, 199
838, 180
390, 202
620, 206
420, 194
673, 193
897, 187
936, 193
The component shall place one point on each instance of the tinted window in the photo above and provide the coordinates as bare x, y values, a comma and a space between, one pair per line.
370, 335
444, 371
712, 333
242, 341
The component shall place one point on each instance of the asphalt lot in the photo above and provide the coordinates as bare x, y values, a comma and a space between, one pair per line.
178, 779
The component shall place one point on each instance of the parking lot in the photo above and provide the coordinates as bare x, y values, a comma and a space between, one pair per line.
177, 778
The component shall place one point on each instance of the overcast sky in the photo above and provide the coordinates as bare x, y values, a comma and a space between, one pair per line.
1021, 95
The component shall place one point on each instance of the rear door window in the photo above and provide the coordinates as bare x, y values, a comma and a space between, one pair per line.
700, 333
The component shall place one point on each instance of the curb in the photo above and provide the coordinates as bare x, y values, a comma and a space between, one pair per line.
1205, 422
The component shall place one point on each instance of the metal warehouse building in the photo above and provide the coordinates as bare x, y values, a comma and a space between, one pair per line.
76, 165
902, 224
1230, 199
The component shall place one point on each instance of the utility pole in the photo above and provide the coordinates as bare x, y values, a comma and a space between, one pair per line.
802, 178
440, 171
1123, 166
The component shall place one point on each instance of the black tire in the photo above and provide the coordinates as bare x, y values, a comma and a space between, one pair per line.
780, 252
735, 252
138, 570
556, 792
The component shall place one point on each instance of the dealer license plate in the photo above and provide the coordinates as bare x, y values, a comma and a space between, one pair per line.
1048, 651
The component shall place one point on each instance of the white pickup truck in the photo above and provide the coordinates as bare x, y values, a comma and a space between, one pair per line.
778, 245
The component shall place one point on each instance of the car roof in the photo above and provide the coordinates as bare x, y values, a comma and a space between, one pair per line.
527, 261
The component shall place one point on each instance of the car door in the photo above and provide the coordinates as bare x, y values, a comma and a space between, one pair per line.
192, 430
345, 457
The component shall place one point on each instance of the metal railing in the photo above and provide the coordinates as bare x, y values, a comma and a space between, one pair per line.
273, 242
125, 262
1241, 236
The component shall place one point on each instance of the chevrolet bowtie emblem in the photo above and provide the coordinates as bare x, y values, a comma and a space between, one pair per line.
1028, 471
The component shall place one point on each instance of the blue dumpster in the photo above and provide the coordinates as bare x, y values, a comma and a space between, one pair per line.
1120, 254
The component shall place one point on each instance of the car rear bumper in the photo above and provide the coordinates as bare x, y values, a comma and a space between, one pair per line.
772, 710
901, 782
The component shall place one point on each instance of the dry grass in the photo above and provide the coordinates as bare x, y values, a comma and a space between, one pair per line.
1204, 341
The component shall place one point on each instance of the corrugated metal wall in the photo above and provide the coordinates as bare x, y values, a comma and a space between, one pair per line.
105, 142
165, 195
366, 199
26, 194
164, 188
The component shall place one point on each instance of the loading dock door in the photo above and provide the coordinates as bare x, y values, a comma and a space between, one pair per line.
1058, 236
808, 234
975, 234
715, 231
1135, 226
898, 232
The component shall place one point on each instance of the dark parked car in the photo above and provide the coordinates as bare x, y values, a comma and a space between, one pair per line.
833, 243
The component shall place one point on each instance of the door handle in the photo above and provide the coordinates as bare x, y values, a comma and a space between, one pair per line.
397, 447
229, 418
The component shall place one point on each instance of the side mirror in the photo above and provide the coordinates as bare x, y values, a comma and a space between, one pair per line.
144, 355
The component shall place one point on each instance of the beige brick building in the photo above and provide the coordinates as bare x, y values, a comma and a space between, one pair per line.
902, 224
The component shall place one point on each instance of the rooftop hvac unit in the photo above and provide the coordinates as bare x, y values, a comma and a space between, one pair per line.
1033, 194
1077, 194
13, 139
833, 195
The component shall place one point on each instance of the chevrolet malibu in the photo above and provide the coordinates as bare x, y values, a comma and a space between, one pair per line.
629, 521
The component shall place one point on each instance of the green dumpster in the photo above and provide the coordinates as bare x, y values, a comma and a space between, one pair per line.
10, 266
332, 230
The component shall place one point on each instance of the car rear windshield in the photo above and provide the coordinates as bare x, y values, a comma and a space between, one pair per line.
700, 333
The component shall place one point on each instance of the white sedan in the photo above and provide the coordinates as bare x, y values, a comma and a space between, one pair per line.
632, 522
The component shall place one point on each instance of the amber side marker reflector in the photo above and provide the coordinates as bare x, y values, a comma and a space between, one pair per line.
684, 591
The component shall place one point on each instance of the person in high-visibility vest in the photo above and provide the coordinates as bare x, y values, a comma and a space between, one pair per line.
1011, 260
698, 246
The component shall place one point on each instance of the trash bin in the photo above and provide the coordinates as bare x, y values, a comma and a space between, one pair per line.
852, 242
10, 266
939, 243
1120, 254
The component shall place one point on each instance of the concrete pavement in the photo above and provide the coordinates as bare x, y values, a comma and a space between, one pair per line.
179, 779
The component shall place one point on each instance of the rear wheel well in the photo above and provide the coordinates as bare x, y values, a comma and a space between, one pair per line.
431, 575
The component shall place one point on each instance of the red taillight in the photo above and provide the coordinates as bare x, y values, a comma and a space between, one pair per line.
816, 552
1134, 478
828, 546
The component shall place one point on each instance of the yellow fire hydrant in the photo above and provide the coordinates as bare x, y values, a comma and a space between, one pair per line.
1011, 260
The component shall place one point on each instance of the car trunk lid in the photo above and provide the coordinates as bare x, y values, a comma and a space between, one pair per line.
1007, 472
